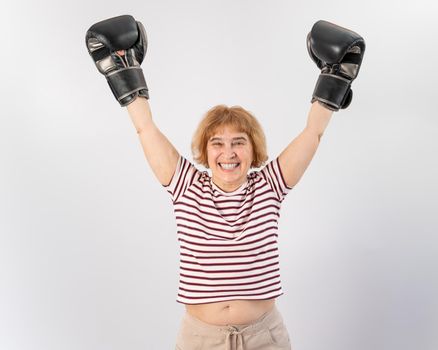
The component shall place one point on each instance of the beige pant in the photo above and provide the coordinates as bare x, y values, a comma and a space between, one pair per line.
266, 333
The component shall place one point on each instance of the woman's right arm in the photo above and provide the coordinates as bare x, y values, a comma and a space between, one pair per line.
109, 43
160, 153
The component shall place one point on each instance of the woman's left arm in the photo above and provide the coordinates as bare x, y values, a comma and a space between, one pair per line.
296, 157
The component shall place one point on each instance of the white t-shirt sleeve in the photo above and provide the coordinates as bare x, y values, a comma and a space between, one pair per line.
274, 177
183, 177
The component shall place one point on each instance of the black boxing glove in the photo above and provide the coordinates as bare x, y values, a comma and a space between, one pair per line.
123, 72
338, 52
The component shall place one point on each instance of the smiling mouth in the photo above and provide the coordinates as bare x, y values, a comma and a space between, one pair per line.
229, 166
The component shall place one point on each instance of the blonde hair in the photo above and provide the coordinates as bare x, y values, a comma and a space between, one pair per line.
239, 119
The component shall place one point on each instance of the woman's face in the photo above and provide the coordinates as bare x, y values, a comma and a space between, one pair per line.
230, 155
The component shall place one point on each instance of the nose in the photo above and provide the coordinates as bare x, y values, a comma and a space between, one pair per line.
230, 155
229, 152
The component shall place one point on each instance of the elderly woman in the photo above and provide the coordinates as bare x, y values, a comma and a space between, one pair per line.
227, 221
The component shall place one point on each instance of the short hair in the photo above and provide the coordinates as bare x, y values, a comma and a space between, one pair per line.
239, 119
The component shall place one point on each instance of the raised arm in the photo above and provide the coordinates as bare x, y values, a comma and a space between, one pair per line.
160, 153
296, 157
338, 52
118, 46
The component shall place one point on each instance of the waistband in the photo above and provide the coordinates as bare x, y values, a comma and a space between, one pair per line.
269, 319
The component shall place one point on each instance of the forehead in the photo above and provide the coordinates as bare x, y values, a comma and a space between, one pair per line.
228, 132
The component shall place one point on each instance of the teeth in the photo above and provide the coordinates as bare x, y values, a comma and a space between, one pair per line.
229, 166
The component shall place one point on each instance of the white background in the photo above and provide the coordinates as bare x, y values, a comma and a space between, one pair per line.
88, 249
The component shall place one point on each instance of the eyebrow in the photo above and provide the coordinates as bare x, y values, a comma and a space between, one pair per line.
234, 138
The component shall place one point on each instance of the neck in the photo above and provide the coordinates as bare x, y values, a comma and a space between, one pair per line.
228, 187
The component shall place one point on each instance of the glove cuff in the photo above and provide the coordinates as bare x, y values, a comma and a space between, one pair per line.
126, 84
332, 91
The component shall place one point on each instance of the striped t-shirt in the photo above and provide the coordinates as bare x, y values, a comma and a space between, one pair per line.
228, 240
